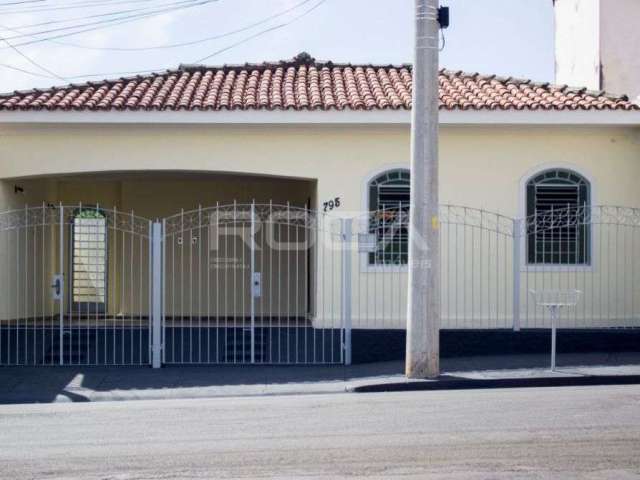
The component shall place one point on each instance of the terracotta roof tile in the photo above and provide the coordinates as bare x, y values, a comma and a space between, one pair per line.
304, 84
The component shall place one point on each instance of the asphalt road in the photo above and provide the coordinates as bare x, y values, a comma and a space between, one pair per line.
564, 433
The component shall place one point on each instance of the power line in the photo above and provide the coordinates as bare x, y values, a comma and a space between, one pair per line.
190, 42
81, 4
31, 61
118, 74
18, 28
114, 23
244, 40
22, 70
263, 32
177, 6
158, 69
19, 3
217, 52
186, 43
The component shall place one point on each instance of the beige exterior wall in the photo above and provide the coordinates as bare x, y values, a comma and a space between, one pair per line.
480, 166
143, 168
23, 261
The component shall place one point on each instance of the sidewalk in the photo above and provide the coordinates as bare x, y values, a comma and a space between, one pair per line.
91, 384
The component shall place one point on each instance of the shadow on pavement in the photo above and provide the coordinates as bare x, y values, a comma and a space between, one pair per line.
78, 384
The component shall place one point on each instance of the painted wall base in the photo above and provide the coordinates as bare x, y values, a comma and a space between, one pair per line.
184, 345
273, 345
81, 346
389, 345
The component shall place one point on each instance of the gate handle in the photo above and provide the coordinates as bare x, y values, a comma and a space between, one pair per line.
57, 285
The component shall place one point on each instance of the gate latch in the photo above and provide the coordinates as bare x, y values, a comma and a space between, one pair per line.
256, 284
57, 287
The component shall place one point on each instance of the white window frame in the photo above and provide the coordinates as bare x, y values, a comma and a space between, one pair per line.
365, 267
525, 266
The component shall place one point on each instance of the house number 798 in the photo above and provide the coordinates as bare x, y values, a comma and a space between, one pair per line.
331, 204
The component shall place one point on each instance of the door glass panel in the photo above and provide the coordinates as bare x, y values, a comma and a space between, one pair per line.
89, 260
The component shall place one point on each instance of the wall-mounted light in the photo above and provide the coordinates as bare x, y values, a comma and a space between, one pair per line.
18, 190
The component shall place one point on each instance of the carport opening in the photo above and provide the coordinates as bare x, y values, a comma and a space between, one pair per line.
76, 270
103, 251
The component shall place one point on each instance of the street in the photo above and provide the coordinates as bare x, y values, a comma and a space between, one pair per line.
581, 432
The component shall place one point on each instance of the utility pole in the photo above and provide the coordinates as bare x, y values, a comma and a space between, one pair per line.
423, 309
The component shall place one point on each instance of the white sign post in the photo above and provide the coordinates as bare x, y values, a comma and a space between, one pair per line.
554, 301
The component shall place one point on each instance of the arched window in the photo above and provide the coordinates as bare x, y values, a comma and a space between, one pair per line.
558, 203
388, 195
89, 253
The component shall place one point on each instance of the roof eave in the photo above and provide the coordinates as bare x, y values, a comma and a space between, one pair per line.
332, 117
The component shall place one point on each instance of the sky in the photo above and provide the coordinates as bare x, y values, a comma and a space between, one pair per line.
503, 37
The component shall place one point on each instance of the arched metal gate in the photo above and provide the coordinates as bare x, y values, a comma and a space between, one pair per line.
232, 284
74, 286
241, 285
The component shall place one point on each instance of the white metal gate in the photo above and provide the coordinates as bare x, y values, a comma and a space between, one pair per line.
241, 285
74, 286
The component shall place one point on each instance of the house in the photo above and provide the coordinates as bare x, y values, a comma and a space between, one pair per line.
257, 213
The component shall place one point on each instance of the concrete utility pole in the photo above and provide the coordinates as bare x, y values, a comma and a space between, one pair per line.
423, 309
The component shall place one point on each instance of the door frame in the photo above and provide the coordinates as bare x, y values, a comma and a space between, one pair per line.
87, 307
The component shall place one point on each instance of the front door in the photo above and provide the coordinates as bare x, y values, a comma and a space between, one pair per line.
89, 261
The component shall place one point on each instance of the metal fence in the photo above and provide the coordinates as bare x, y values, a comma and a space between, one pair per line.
477, 275
278, 284
591, 249
489, 263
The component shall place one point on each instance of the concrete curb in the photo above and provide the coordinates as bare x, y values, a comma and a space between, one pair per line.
448, 383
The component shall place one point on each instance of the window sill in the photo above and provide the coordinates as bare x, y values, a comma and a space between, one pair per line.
556, 268
383, 269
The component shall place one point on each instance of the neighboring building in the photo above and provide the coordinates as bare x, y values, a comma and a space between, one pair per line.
226, 154
598, 44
